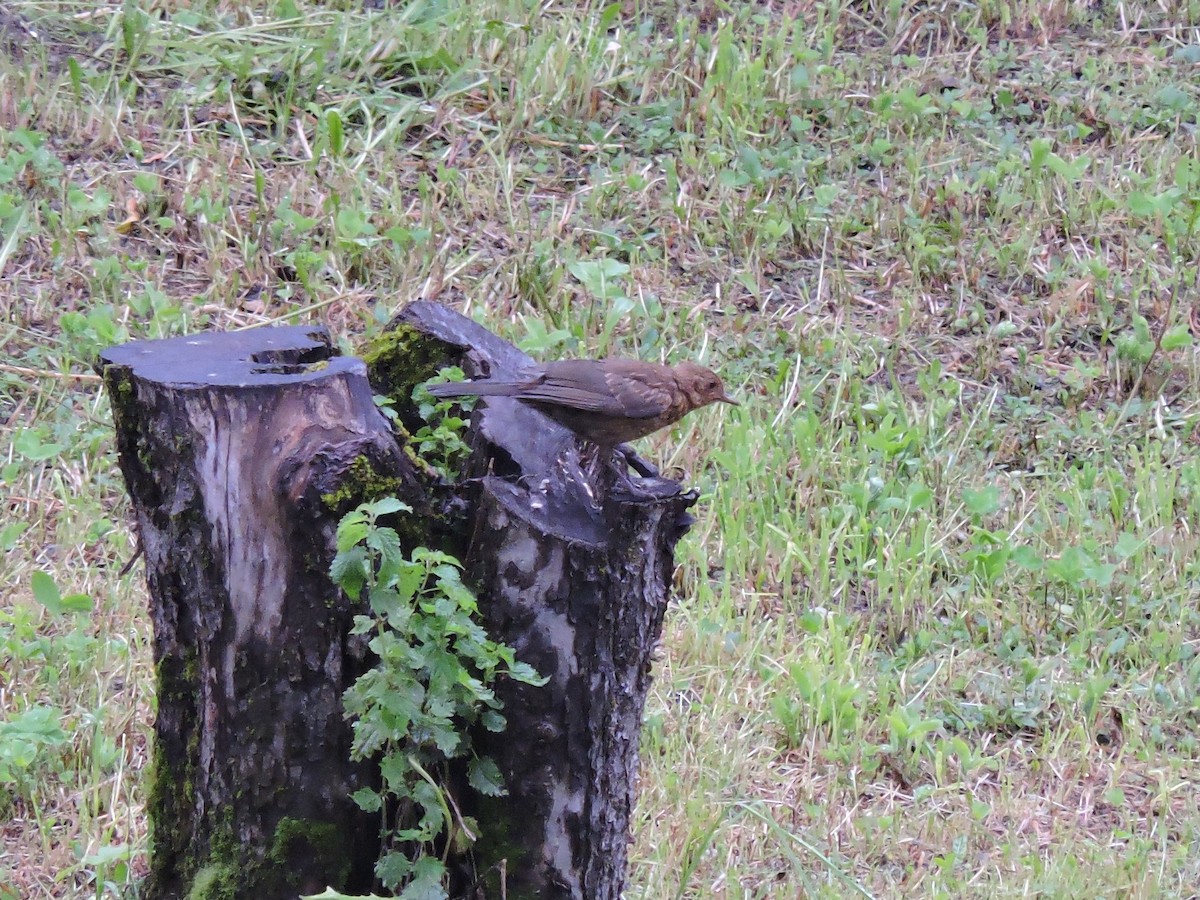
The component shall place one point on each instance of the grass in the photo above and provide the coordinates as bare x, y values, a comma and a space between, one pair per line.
936, 628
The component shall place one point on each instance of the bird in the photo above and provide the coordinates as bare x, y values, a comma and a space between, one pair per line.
605, 401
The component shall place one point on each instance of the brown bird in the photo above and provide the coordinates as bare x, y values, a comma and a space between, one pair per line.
605, 401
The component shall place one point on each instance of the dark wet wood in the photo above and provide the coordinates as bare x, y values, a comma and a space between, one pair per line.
228, 444
573, 561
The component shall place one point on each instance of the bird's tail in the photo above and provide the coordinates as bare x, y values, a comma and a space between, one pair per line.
483, 388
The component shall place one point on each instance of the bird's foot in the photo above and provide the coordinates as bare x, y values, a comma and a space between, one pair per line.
645, 490
633, 461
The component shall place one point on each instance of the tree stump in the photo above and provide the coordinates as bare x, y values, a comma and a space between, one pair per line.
574, 576
233, 447
241, 452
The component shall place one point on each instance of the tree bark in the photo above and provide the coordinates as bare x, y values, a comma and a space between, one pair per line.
573, 566
238, 451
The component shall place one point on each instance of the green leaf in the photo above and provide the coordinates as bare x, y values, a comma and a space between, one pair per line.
29, 444
526, 674
918, 496
1141, 328
367, 800
431, 558
1039, 151
408, 581
41, 724
447, 740
23, 737
333, 123
395, 768
392, 869
982, 502
352, 225
1100, 572
107, 854
1127, 545
609, 16
384, 605
493, 721
751, 162
386, 542
77, 603
990, 566
1148, 206
428, 875
1173, 98
353, 529
46, 592
1069, 567
600, 277
1027, 558
11, 533
1179, 336
1138, 345
387, 506
434, 811
349, 570
484, 775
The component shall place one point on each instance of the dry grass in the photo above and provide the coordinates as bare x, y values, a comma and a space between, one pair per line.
937, 627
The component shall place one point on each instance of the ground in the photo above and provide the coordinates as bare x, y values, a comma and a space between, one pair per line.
935, 630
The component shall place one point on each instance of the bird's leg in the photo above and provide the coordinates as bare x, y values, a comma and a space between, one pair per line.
603, 472
601, 467
590, 466
632, 460
651, 485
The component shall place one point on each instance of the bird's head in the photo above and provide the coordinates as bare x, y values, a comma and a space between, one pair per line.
701, 386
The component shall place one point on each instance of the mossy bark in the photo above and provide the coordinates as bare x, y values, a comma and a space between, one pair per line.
240, 452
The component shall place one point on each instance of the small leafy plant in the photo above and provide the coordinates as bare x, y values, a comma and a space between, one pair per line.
414, 710
25, 739
439, 442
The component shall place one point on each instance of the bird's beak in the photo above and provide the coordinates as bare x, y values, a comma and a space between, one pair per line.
724, 398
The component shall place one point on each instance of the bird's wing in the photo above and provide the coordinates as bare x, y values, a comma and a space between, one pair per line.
643, 394
618, 388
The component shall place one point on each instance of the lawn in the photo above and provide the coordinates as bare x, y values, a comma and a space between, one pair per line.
936, 628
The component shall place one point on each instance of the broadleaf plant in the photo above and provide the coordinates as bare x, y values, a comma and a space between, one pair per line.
439, 441
413, 711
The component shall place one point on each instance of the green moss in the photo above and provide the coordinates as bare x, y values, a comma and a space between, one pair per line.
215, 881
495, 843
172, 781
121, 395
227, 871
224, 873
296, 845
401, 358
422, 465
308, 839
362, 483
397, 361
